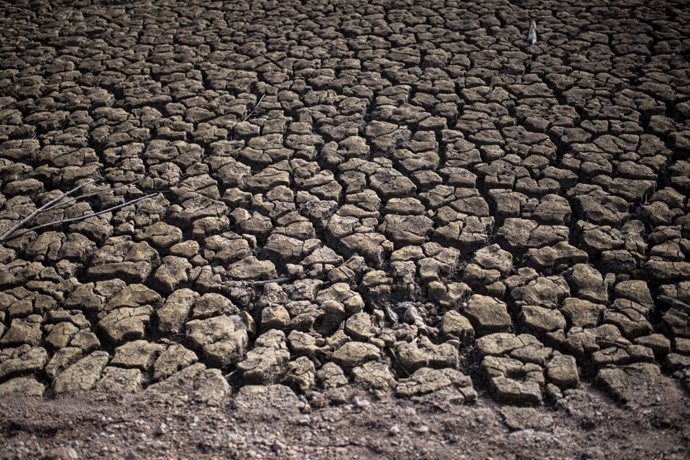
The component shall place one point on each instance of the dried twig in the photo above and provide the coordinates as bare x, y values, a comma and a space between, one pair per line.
284, 279
79, 218
281, 280
255, 107
89, 195
61, 201
43, 208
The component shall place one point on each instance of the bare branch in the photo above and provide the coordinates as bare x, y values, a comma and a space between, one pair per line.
77, 219
43, 208
255, 107
284, 279
88, 195
259, 283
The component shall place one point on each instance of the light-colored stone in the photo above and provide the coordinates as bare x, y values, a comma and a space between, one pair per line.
117, 381
175, 358
82, 375
124, 324
211, 388
62, 359
301, 373
487, 314
331, 376
423, 353
61, 334
426, 380
562, 371
353, 354
251, 268
23, 331
139, 354
359, 326
375, 376
540, 320
221, 339
267, 362
172, 273
175, 310
213, 304
455, 325
31, 360
22, 387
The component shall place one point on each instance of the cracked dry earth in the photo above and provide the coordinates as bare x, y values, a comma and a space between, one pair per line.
344, 228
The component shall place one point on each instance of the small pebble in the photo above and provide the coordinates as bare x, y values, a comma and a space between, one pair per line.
61, 453
421, 429
161, 429
359, 402
278, 447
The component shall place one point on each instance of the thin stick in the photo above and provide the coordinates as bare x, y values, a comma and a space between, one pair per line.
284, 279
86, 216
88, 195
42, 209
255, 107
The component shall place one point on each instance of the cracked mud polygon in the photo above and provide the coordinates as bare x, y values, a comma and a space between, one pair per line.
350, 223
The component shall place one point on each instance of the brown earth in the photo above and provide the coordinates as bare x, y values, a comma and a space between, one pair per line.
584, 424
345, 228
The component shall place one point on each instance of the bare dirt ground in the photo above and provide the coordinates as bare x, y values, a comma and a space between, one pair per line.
584, 424
344, 228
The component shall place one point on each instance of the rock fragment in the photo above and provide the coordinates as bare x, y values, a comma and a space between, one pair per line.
426, 380
222, 340
353, 354
267, 362
487, 314
82, 375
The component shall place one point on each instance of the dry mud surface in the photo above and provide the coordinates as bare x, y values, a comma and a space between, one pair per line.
340, 228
